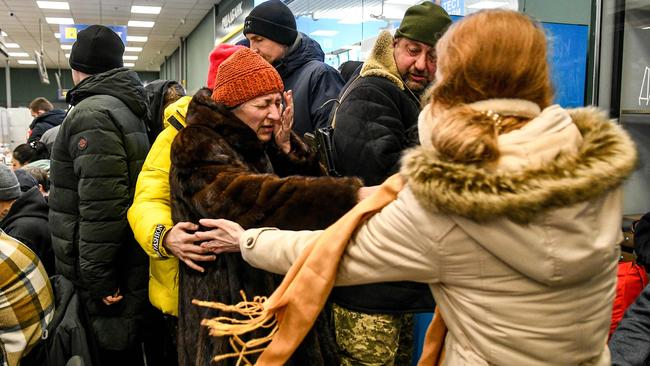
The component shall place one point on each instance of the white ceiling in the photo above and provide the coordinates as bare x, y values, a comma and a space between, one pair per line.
176, 19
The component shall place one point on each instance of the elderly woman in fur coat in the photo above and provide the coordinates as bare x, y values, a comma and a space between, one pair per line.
511, 209
237, 159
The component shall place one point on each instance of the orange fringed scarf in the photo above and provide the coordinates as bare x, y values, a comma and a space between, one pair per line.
296, 303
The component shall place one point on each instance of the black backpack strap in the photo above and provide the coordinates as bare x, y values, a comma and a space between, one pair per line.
174, 122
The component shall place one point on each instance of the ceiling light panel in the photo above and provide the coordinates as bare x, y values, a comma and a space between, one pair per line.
12, 45
136, 38
137, 9
141, 24
129, 64
57, 35
133, 49
59, 20
3, 34
66, 46
67, 55
18, 54
324, 33
129, 58
27, 62
59, 5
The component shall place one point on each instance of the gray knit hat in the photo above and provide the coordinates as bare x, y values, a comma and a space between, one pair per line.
9, 187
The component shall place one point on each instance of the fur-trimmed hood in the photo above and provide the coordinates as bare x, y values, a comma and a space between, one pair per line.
381, 61
604, 159
552, 206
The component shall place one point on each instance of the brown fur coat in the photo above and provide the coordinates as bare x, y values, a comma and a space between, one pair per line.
221, 170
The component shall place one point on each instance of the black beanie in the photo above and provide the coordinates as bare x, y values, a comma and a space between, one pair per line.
272, 20
97, 49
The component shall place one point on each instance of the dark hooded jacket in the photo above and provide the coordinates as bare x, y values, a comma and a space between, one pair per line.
27, 222
630, 343
377, 118
95, 163
155, 92
220, 169
313, 82
43, 123
375, 123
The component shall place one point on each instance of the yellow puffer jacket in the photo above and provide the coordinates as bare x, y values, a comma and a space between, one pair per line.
150, 215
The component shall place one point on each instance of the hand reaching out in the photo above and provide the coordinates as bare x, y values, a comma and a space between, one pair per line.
223, 238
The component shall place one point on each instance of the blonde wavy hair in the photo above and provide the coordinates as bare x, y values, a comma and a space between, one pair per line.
489, 54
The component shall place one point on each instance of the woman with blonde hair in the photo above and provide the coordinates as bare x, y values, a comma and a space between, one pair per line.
510, 210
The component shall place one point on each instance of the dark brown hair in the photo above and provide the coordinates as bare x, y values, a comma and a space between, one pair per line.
40, 104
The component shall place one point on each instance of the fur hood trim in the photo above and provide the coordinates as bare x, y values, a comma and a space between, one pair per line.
605, 159
381, 61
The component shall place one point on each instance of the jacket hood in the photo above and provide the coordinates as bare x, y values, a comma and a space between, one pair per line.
52, 118
303, 51
604, 159
178, 109
381, 61
122, 83
29, 204
549, 172
155, 92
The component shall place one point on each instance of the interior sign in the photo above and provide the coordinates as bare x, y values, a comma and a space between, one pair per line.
232, 15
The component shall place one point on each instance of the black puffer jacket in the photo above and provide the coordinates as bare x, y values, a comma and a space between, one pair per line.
630, 343
375, 123
27, 222
44, 122
376, 120
313, 83
95, 162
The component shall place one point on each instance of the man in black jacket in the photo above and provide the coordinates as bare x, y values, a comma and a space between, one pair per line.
45, 117
375, 121
630, 342
23, 215
271, 30
95, 162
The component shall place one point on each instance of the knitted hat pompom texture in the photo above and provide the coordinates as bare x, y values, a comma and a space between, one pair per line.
244, 76
217, 56
9, 186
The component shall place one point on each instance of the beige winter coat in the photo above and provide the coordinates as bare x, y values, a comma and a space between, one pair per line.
521, 258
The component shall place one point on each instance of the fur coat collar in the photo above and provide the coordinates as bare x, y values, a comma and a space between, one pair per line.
204, 111
381, 61
585, 167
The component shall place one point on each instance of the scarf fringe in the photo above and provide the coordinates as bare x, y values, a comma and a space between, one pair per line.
256, 318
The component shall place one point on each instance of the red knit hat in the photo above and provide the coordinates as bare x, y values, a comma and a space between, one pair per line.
217, 56
243, 76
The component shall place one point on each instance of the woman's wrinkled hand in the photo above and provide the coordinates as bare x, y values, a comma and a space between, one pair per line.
180, 241
222, 238
283, 130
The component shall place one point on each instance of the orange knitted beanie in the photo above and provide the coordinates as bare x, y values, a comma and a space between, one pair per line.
243, 76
